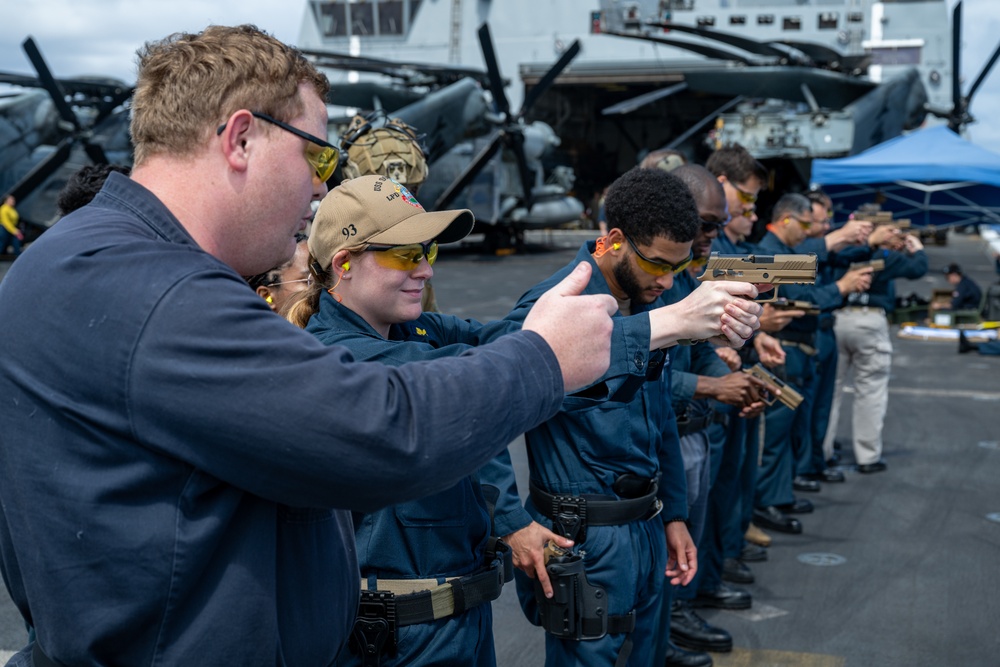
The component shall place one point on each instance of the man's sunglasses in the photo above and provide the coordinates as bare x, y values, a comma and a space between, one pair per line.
709, 226
806, 224
656, 267
321, 154
404, 257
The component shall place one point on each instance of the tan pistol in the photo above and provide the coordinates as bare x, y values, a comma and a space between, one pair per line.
762, 269
788, 396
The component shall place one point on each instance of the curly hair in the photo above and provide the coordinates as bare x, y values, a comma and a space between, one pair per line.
190, 83
84, 184
649, 203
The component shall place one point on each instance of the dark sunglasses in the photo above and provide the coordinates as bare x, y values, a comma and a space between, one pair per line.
657, 267
708, 226
321, 154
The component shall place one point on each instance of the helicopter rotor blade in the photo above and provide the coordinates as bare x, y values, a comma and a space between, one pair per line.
95, 153
630, 105
985, 72
493, 69
821, 54
748, 45
49, 82
43, 170
957, 103
111, 104
550, 76
515, 141
470, 172
701, 49
405, 70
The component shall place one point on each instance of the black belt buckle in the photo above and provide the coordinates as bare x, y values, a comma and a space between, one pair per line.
374, 633
654, 509
569, 517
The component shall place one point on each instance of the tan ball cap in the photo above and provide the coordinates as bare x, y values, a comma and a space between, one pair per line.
377, 210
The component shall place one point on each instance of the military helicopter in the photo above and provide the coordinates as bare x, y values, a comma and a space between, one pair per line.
483, 155
51, 133
51, 129
791, 81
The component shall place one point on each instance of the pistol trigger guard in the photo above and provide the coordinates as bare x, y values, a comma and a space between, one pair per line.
772, 299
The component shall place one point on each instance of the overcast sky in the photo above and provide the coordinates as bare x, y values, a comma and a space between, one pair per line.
101, 37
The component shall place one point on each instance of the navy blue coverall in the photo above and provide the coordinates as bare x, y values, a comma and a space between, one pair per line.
177, 463
741, 436
787, 433
707, 506
441, 536
583, 450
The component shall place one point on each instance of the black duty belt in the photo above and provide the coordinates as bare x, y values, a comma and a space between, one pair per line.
401, 602
689, 425
571, 515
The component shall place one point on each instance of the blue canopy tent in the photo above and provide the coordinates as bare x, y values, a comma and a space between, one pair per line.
932, 176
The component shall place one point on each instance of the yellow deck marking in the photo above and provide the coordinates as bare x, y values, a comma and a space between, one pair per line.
741, 657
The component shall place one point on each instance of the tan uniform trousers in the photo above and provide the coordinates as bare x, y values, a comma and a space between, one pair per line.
865, 351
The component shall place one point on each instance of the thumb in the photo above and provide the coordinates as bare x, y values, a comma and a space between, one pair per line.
564, 542
573, 284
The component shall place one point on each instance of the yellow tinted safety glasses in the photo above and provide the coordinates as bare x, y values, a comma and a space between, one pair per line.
404, 257
656, 267
320, 153
745, 196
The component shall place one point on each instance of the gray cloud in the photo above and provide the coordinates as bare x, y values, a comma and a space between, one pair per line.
101, 36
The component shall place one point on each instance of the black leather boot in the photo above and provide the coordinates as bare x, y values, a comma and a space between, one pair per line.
691, 631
